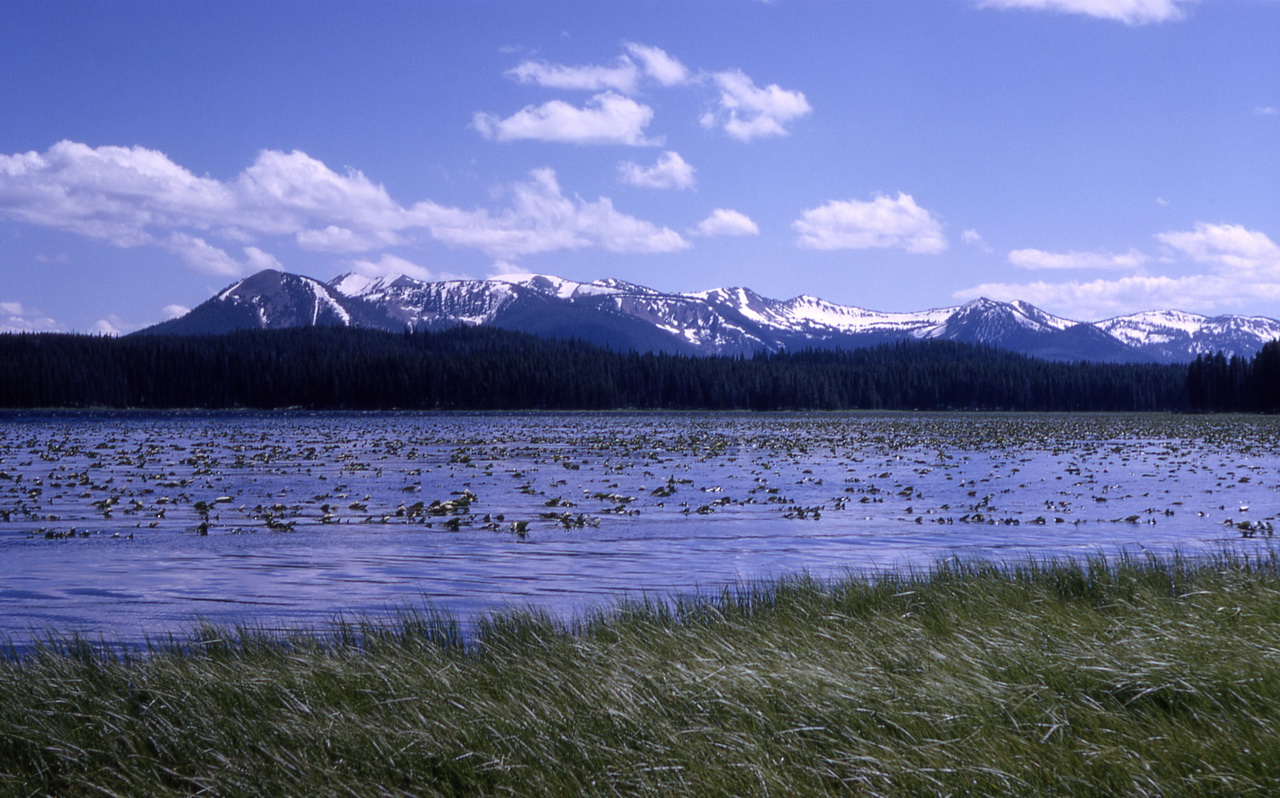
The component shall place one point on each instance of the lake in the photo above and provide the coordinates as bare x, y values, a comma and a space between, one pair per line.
121, 526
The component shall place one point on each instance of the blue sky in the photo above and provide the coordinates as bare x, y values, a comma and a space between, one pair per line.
1093, 157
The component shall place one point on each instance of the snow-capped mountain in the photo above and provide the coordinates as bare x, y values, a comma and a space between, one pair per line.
626, 316
272, 300
1174, 335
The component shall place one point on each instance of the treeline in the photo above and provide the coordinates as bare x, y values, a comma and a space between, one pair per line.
1217, 383
491, 369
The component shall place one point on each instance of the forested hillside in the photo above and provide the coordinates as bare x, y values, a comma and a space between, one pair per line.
1218, 383
482, 369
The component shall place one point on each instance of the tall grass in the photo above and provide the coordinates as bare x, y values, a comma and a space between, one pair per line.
1131, 676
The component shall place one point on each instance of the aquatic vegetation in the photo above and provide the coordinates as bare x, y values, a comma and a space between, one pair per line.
149, 519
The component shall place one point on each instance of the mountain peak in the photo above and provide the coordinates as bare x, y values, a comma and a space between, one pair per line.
356, 284
721, 321
258, 281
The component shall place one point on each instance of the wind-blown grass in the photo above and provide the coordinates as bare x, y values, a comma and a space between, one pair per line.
1134, 676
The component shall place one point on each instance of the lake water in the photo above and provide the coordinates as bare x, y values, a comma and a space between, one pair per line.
121, 526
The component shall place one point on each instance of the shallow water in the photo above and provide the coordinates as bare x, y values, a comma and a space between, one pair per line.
123, 526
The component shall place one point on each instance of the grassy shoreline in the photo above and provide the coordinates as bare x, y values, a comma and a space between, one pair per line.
1130, 676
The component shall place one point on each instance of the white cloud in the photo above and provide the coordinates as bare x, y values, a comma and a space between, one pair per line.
343, 239
131, 196
608, 118
108, 193
205, 257
175, 311
884, 222
659, 65
744, 110
112, 325
670, 171
393, 266
974, 239
623, 76
1130, 12
257, 260
15, 317
1227, 246
1039, 259
1266, 110
287, 192
747, 112
1098, 299
505, 268
1245, 269
542, 219
726, 222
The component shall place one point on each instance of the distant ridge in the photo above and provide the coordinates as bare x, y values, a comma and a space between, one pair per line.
724, 321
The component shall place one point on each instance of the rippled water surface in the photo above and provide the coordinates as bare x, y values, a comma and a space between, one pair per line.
121, 526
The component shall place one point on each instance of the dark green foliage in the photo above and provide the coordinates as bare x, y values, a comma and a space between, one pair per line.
1215, 383
491, 369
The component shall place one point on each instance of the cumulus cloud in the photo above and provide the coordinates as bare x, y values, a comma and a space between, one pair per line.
670, 171
1130, 12
205, 257
742, 109
505, 268
624, 74
726, 222
112, 326
608, 118
747, 112
1039, 259
884, 222
15, 317
108, 193
175, 311
343, 239
542, 219
1100, 299
974, 239
658, 65
132, 196
1228, 246
393, 266
1245, 267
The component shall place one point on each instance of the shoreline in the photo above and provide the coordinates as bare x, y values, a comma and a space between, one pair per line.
1131, 675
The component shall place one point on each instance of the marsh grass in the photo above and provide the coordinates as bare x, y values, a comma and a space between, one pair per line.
1129, 676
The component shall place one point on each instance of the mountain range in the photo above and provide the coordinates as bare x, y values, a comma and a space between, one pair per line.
723, 321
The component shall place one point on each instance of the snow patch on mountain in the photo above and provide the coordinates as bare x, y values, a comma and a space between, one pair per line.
1184, 334
733, 320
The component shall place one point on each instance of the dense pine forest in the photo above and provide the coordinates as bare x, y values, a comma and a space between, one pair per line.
1216, 383
491, 369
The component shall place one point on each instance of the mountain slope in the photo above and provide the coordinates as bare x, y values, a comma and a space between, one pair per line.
1174, 335
273, 300
723, 321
